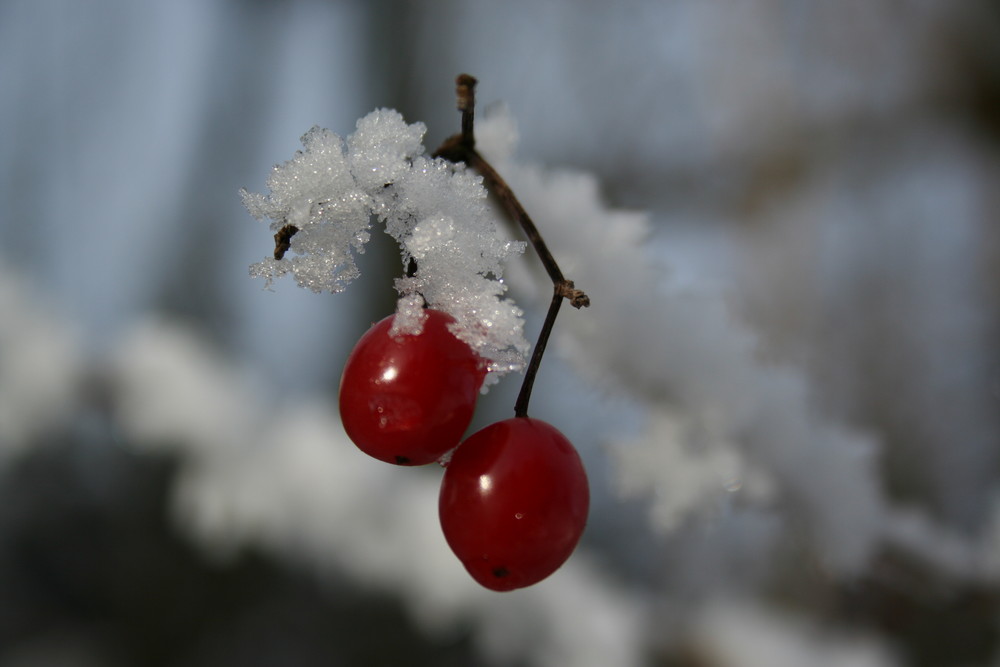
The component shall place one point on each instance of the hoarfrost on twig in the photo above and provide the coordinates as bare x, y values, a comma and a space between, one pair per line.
330, 191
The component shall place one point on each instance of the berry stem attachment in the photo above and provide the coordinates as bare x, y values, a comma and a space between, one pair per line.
462, 148
521, 404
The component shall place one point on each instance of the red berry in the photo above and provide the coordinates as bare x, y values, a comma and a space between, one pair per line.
514, 502
408, 399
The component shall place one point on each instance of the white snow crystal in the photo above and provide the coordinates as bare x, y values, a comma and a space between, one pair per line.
316, 193
410, 316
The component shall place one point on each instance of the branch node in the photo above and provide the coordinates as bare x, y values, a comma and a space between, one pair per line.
577, 298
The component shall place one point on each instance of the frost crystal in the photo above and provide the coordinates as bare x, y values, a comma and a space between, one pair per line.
437, 212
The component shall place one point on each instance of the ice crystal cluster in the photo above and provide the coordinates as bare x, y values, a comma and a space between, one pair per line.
332, 190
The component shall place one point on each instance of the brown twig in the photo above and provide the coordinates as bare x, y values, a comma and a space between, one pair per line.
462, 148
524, 395
283, 240
466, 87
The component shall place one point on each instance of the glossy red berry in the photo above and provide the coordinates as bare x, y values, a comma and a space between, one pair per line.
408, 399
514, 502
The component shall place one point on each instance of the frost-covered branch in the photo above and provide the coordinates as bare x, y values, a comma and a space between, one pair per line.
321, 201
321, 205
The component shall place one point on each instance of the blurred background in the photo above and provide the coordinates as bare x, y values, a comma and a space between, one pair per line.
175, 490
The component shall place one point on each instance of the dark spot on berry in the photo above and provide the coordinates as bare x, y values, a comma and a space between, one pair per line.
500, 572
402, 460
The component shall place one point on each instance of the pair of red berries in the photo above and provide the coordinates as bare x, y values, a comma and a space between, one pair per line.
514, 497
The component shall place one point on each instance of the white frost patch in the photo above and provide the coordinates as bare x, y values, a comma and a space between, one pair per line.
410, 316
743, 634
687, 469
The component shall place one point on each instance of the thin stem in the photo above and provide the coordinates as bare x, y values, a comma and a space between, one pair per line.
466, 89
524, 396
462, 148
